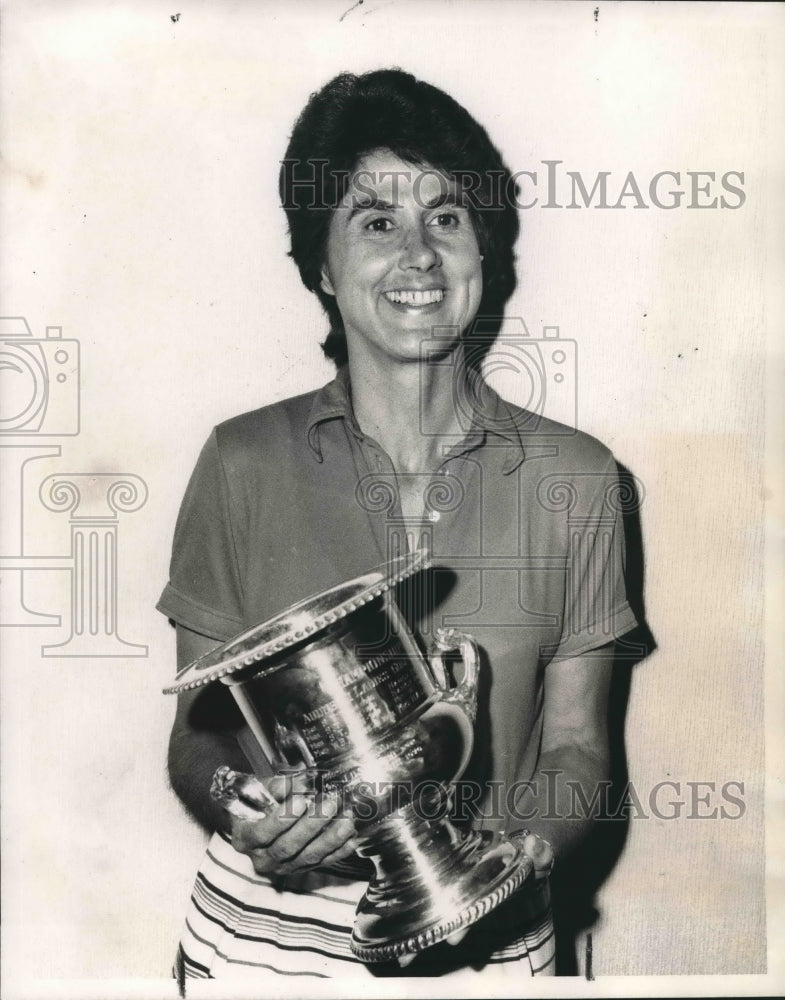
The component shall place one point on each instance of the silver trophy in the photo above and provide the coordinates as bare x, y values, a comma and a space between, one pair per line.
338, 687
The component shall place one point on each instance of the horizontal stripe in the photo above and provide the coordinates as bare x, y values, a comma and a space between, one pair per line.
187, 961
538, 969
204, 973
193, 970
302, 943
524, 946
233, 922
269, 912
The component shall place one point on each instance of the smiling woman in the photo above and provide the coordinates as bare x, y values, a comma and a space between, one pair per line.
402, 257
413, 277
390, 112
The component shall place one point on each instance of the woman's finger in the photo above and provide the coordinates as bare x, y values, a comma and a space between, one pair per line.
307, 824
541, 853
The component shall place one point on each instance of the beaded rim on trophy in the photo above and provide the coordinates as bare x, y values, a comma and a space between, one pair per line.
338, 687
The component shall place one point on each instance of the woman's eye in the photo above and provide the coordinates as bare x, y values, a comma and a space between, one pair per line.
380, 225
445, 220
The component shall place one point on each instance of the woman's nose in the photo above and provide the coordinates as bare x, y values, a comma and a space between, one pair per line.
418, 250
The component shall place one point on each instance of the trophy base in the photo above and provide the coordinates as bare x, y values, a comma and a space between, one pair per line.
437, 884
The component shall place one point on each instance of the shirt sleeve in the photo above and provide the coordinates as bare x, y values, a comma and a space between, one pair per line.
204, 592
596, 609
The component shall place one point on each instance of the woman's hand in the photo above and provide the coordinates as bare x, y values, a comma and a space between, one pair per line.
541, 853
299, 833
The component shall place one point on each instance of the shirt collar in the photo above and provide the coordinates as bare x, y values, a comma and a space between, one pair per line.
486, 414
331, 402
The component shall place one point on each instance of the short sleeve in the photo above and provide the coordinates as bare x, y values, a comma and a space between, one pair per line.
204, 592
596, 609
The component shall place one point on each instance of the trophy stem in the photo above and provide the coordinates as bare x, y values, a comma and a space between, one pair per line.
431, 880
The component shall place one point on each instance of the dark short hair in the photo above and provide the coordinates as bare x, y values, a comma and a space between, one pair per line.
350, 117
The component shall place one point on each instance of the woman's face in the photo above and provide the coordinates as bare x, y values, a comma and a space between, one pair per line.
402, 258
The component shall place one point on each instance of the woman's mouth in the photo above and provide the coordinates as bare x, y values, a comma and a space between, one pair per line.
415, 297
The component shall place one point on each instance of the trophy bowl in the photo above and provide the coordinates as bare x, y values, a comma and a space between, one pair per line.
338, 686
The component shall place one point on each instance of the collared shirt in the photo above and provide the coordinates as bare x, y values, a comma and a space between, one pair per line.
522, 521
481, 411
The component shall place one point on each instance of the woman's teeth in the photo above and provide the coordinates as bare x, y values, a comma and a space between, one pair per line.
412, 298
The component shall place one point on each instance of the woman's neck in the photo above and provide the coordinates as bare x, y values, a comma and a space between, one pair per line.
409, 408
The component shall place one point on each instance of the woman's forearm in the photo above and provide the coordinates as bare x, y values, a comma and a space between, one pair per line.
563, 798
193, 759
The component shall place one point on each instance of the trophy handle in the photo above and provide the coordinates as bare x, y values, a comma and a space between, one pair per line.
465, 693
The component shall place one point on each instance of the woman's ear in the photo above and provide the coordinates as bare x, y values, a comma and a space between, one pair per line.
325, 284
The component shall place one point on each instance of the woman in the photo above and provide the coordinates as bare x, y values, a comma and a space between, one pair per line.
401, 222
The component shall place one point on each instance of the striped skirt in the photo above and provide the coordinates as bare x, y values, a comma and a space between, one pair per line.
240, 925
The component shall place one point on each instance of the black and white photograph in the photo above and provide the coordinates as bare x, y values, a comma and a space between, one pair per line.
391, 431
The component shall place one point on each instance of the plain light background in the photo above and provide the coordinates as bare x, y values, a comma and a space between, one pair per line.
140, 214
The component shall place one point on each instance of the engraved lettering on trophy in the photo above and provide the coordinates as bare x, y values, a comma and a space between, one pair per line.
319, 713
